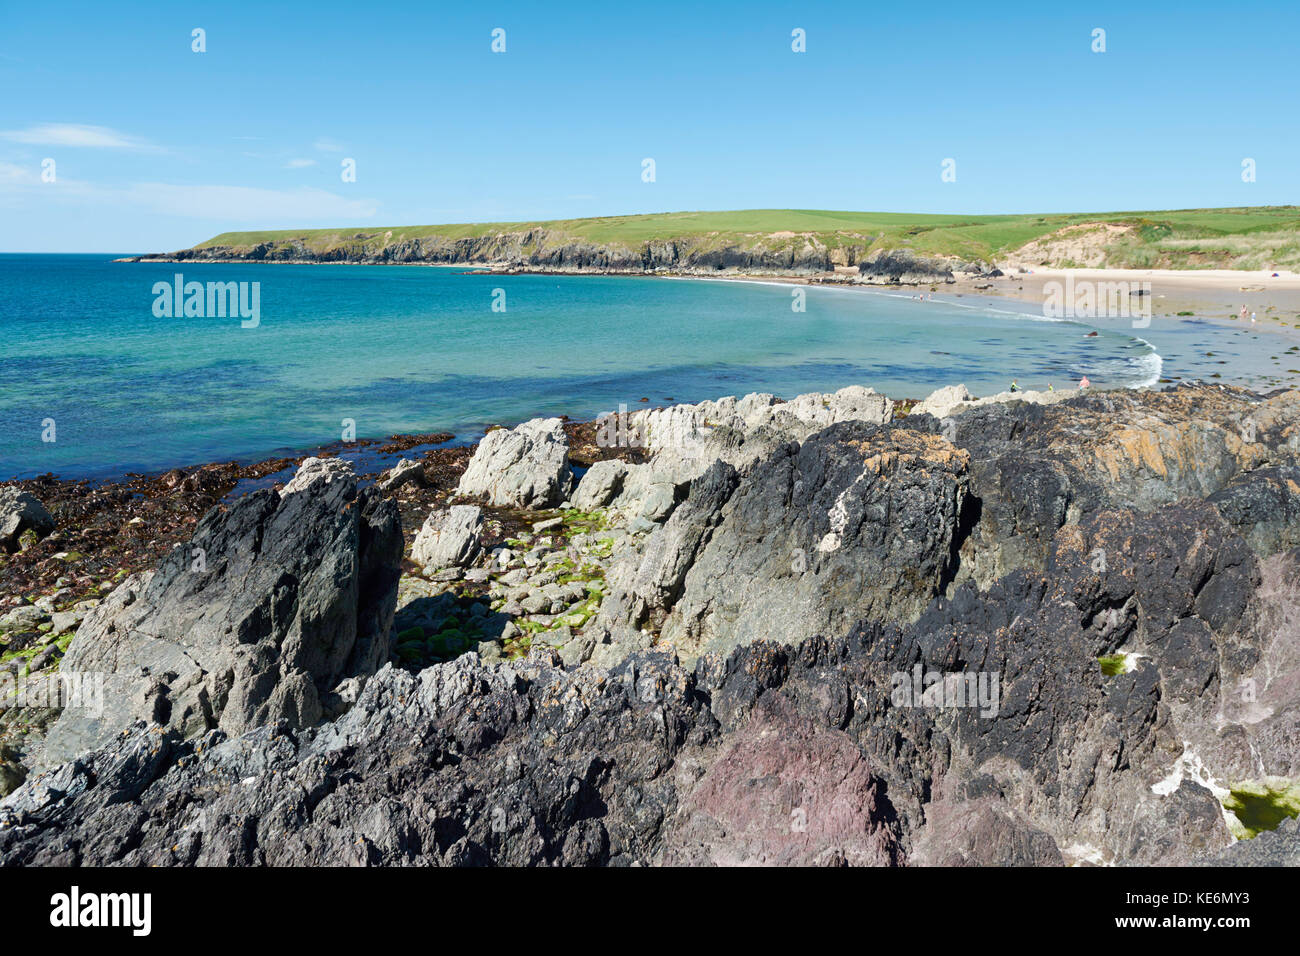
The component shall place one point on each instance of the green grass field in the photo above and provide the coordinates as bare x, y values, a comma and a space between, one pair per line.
1247, 237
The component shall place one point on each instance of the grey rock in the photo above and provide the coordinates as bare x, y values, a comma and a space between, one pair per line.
523, 467
600, 485
298, 594
404, 472
450, 537
64, 621
20, 512
26, 615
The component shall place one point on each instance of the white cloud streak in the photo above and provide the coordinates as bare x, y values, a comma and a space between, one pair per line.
75, 135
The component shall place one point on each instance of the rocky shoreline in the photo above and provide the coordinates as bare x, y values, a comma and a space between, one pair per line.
676, 636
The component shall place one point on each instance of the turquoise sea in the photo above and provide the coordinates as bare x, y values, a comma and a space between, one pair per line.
401, 349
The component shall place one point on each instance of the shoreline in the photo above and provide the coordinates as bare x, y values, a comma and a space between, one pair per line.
1206, 287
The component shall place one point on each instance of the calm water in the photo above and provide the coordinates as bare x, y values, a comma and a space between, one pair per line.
418, 349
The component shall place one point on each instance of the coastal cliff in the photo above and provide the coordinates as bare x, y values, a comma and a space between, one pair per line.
543, 250
820, 245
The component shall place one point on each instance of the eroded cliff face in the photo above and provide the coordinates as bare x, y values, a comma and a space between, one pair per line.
541, 250
1112, 580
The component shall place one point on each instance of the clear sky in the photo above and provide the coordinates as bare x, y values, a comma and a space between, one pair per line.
157, 147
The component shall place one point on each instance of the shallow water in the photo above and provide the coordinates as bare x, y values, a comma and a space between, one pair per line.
401, 349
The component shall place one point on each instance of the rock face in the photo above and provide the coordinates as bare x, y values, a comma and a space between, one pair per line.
20, 512
855, 522
1025, 634
900, 266
276, 600
540, 248
682, 441
449, 538
523, 467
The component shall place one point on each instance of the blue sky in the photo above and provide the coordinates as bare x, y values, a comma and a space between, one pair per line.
157, 147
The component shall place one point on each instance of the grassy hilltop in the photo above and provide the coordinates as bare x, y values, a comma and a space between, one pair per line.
1244, 238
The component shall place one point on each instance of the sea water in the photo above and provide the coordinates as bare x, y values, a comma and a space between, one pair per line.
94, 383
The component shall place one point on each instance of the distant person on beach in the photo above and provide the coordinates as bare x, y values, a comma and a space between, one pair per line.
1242, 313
1014, 386
1084, 383
1050, 388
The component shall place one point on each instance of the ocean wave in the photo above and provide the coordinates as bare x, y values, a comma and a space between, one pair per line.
1149, 366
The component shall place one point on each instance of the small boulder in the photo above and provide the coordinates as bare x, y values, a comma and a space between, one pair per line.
450, 538
26, 615
941, 402
313, 470
600, 485
403, 472
523, 467
20, 512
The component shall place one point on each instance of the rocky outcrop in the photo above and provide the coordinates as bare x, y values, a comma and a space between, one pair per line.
947, 401
770, 754
1019, 634
823, 257
20, 514
856, 522
523, 467
275, 601
899, 267
540, 248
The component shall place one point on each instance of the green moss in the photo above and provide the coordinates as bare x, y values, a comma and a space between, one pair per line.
1260, 805
1114, 664
603, 548
577, 521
